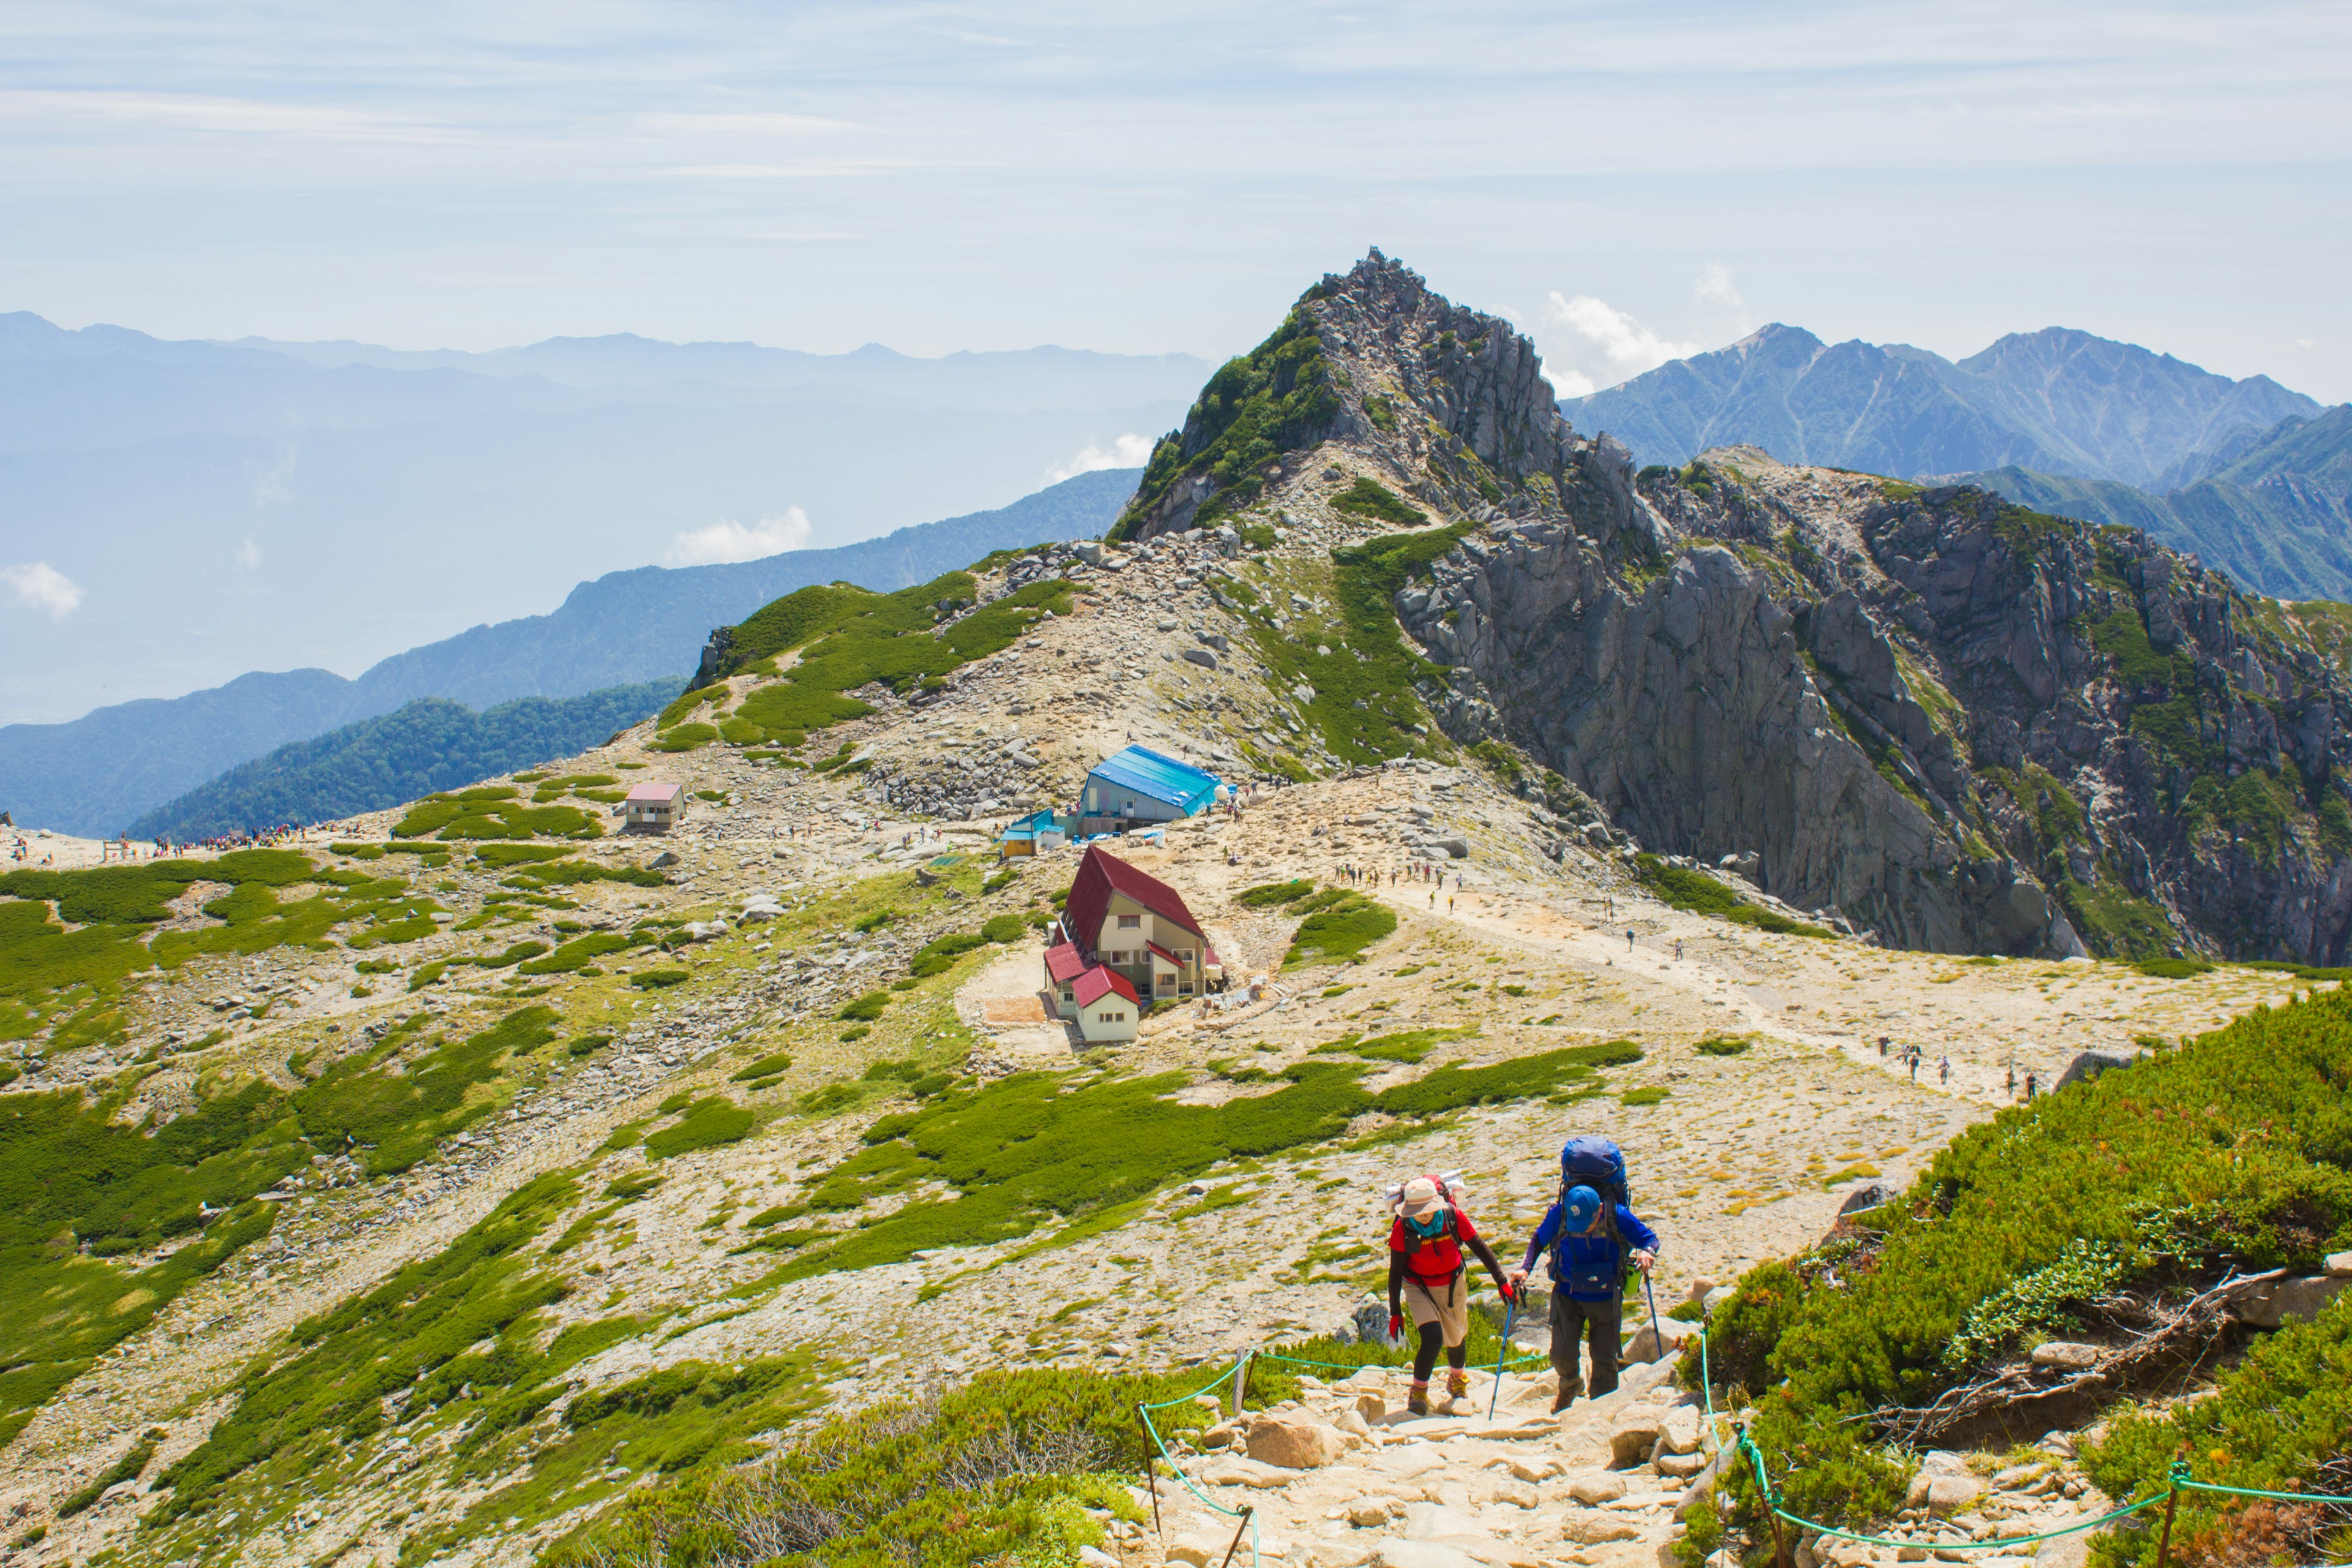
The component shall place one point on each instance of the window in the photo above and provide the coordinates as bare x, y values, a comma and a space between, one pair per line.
1131, 922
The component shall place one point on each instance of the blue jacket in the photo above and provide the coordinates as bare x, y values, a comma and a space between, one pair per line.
1595, 1265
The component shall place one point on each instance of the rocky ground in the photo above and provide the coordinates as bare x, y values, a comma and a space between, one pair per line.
1511, 926
1344, 1477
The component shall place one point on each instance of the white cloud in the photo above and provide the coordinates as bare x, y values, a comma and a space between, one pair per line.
1129, 451
248, 554
1589, 343
728, 540
1715, 286
41, 586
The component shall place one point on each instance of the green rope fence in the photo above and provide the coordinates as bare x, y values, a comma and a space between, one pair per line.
2178, 1481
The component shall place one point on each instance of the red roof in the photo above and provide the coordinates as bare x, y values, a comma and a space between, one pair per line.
1163, 952
1064, 963
1099, 875
1098, 982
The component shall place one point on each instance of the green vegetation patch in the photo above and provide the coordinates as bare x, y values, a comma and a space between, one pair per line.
1266, 895
71, 1178
1406, 1046
936, 1485
707, 1123
1725, 1044
493, 814
1366, 704
1702, 894
394, 1102
1370, 497
1276, 398
1339, 931
848, 637
1453, 1087
659, 979
2228, 1153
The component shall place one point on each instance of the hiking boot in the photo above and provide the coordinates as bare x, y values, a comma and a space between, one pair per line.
1457, 1383
1417, 1401
1566, 1397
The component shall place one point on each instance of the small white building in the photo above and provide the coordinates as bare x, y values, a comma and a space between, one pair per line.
1108, 1010
653, 807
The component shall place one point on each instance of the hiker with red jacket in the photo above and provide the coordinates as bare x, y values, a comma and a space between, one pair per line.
1426, 1267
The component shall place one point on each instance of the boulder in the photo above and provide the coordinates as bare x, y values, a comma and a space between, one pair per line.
1201, 656
1294, 1442
1353, 1423
2284, 1301
1682, 1466
2066, 1355
1425, 1519
1518, 1494
1199, 1548
1371, 1406
1665, 1338
1634, 1434
1540, 1470
1368, 1514
2337, 1266
1595, 1490
1595, 1529
1096, 1557
1338, 1554
1421, 1554
2063, 1551
1679, 1433
1949, 1495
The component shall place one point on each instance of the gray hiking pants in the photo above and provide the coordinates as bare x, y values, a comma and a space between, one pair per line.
1596, 1321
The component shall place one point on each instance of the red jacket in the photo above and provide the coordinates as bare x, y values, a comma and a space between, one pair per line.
1436, 1259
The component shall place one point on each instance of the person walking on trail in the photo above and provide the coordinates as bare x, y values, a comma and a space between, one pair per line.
1586, 1240
1427, 1269
1628, 940
1945, 1068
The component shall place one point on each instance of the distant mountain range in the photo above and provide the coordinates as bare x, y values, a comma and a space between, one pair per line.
2254, 478
97, 773
428, 745
256, 505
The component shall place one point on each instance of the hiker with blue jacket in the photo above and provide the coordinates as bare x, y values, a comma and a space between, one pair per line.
1586, 1237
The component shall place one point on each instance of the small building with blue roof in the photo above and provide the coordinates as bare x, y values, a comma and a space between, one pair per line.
1138, 786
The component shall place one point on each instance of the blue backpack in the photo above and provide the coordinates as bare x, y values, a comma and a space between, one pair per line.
1591, 1161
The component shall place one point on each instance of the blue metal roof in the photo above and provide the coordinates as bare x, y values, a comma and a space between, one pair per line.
1147, 772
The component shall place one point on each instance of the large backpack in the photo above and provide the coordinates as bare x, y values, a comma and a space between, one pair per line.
1589, 1160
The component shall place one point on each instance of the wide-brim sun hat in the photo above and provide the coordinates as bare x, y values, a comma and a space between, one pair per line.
1420, 1199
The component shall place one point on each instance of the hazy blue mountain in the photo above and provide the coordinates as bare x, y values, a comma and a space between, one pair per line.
226, 507
2278, 537
2056, 401
425, 745
96, 774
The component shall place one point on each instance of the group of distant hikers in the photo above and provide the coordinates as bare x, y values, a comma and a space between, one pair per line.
1589, 1235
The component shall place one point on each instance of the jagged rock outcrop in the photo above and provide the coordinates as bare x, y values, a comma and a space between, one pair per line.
1964, 725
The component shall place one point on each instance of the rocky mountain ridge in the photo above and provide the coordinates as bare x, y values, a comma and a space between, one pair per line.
1955, 722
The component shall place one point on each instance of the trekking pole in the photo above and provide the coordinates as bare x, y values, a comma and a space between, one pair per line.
1510, 1314
1657, 1339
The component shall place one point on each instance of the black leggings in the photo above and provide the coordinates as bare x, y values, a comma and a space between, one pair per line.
1424, 1360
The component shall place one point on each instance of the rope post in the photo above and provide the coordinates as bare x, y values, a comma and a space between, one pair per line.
1241, 1380
1780, 1540
2171, 1503
1150, 1467
1236, 1546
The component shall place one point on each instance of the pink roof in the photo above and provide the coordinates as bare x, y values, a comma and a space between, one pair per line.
1098, 982
1064, 963
657, 792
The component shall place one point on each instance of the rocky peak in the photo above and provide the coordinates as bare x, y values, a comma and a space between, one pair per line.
1440, 405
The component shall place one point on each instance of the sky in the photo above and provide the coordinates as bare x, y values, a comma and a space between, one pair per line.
1629, 182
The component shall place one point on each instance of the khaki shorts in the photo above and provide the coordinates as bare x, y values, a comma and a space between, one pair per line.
1446, 1306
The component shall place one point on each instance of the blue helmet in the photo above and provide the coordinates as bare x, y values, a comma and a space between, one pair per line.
1580, 1207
